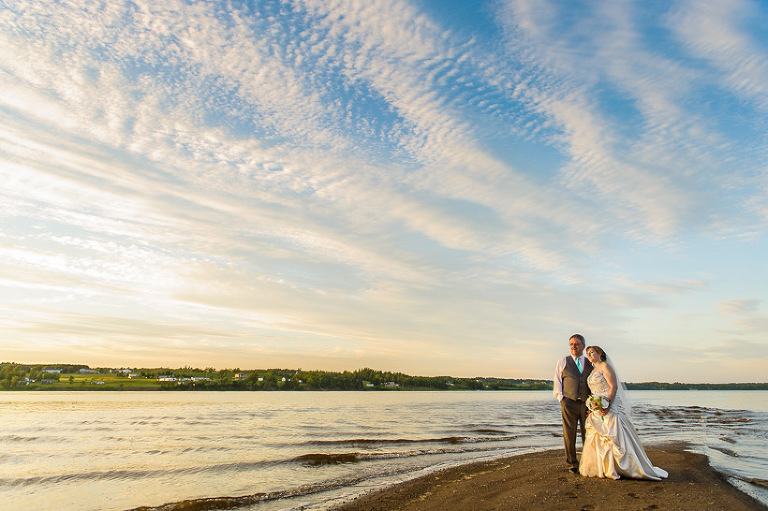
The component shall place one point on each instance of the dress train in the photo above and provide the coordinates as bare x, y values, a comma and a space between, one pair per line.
612, 447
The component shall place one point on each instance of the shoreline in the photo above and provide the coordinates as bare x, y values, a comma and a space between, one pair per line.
539, 482
111, 387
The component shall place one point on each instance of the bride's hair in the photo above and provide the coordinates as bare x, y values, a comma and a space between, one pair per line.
600, 350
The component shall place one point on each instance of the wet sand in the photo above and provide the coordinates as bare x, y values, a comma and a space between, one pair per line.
540, 482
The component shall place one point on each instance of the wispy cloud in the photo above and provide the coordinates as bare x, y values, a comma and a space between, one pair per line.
657, 161
727, 37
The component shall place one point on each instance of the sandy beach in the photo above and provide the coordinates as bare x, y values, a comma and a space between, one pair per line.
539, 481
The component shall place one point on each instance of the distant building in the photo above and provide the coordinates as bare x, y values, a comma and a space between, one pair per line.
53, 371
240, 376
88, 371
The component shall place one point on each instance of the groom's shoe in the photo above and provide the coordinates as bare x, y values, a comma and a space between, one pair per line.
573, 470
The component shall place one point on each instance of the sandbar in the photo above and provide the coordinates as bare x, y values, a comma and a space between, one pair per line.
539, 481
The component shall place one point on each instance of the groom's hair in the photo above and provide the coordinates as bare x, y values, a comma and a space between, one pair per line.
579, 337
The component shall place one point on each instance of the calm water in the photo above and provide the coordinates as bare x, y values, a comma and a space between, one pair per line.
63, 451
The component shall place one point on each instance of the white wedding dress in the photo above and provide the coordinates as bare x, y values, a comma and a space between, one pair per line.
612, 448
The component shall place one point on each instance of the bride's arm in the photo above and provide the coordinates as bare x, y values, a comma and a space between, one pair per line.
610, 377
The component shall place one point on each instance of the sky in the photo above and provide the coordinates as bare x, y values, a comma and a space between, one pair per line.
436, 187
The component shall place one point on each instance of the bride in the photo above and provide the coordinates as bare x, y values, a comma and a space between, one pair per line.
612, 448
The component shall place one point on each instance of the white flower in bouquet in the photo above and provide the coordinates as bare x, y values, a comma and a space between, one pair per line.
597, 403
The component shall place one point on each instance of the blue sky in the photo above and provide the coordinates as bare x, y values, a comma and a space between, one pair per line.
430, 187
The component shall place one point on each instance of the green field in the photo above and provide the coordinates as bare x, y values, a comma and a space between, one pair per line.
77, 381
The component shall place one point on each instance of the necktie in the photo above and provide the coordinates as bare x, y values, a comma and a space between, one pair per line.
578, 364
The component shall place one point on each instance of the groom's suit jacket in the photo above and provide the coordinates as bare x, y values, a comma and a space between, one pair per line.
574, 382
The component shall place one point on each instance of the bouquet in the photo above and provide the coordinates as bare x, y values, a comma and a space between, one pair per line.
597, 403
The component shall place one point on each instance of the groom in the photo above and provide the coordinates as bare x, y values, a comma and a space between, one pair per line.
570, 388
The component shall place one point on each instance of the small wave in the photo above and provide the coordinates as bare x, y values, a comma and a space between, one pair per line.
107, 475
80, 476
328, 459
375, 442
728, 452
363, 442
216, 503
758, 482
319, 459
695, 415
16, 438
489, 431
210, 503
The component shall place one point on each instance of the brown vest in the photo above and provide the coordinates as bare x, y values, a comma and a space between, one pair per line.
575, 383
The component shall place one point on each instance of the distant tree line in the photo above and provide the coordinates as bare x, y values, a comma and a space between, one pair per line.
696, 386
297, 379
514, 384
188, 378
15, 375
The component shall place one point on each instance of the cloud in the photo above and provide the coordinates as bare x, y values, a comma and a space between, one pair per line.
621, 101
740, 306
746, 316
149, 115
722, 33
